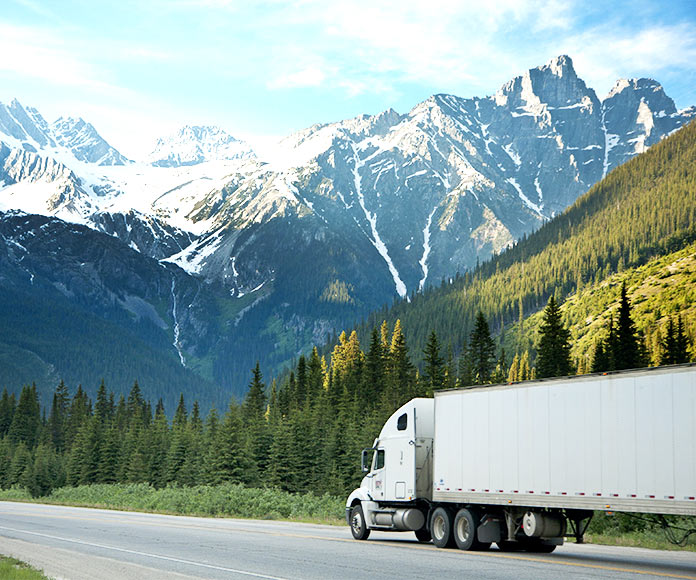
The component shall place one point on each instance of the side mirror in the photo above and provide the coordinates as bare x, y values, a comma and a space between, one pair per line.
366, 460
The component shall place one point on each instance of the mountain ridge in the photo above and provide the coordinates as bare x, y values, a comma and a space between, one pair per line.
362, 212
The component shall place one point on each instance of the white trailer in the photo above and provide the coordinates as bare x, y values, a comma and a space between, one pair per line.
527, 464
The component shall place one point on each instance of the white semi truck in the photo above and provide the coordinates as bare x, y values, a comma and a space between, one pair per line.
525, 465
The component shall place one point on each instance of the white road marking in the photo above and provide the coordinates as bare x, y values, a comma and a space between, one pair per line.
146, 554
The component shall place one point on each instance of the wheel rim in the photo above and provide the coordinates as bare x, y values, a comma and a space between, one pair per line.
357, 523
463, 530
439, 527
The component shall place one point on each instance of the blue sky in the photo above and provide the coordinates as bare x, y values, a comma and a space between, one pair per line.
138, 69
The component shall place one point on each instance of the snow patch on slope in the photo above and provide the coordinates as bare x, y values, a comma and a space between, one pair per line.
426, 250
372, 219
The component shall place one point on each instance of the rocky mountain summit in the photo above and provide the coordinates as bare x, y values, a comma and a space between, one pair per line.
349, 215
197, 144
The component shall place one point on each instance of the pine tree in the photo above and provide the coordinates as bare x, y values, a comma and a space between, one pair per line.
79, 414
500, 372
514, 371
374, 368
5, 461
180, 416
433, 367
57, 420
628, 353
400, 380
525, 372
675, 345
254, 419
21, 461
482, 349
7, 410
135, 405
158, 443
681, 344
230, 460
315, 376
553, 350
254, 406
91, 435
109, 455
465, 367
103, 408
27, 418
210, 437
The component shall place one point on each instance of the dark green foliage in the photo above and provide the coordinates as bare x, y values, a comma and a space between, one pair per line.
553, 350
623, 346
675, 345
644, 208
433, 367
230, 461
627, 354
308, 432
481, 351
7, 410
26, 419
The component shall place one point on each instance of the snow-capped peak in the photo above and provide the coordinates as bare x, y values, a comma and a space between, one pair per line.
25, 128
193, 144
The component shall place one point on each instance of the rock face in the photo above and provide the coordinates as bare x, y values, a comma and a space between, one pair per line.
27, 129
83, 141
349, 215
197, 144
637, 114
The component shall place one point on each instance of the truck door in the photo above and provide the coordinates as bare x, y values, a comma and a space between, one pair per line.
401, 449
378, 474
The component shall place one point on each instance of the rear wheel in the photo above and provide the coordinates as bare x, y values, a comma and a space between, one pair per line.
441, 528
465, 524
423, 535
358, 527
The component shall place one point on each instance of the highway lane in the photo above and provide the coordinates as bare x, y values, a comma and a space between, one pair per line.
77, 543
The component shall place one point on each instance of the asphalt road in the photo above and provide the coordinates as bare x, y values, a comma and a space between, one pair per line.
75, 544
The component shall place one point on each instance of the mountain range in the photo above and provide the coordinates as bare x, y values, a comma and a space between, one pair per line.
346, 217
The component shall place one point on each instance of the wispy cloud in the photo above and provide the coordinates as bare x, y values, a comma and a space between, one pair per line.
606, 53
36, 53
307, 77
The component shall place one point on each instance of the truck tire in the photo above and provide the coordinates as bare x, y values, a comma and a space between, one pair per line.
464, 531
441, 528
358, 525
423, 535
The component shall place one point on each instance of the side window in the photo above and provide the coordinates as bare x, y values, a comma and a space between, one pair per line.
379, 460
402, 422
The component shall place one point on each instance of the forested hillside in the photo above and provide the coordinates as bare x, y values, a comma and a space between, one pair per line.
617, 269
642, 210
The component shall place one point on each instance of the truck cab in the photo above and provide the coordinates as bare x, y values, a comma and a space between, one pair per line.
399, 472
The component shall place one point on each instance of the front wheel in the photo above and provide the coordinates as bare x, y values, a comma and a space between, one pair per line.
441, 528
358, 526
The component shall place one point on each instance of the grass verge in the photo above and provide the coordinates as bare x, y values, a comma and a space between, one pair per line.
237, 501
224, 500
11, 569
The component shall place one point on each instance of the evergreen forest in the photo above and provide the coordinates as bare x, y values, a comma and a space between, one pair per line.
607, 285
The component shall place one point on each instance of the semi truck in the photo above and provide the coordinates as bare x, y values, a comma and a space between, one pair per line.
526, 465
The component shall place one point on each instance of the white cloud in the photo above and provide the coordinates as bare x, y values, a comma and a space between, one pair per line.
379, 43
35, 53
606, 53
307, 77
